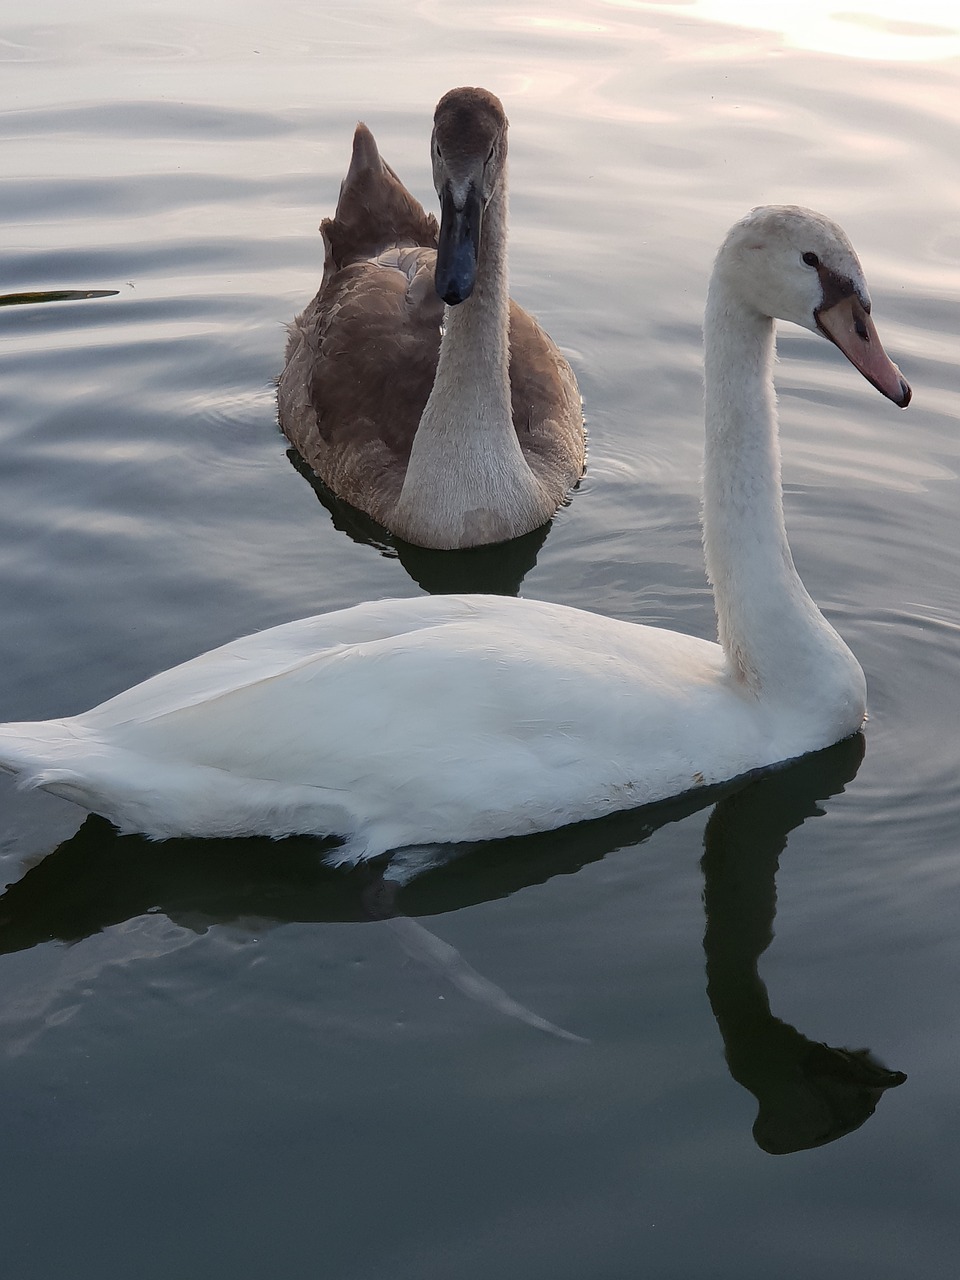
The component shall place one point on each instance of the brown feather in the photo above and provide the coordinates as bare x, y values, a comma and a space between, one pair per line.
362, 358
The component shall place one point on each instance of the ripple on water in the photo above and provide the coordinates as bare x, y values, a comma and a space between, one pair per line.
148, 511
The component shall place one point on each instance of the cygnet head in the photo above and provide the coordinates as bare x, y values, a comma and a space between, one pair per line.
794, 264
469, 148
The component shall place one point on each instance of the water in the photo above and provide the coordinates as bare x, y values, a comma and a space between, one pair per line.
214, 1061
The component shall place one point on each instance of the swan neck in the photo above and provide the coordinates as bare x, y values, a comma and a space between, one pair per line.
776, 641
467, 480
742, 495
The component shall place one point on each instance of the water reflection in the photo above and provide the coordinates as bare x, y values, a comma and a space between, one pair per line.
808, 1093
497, 570
872, 30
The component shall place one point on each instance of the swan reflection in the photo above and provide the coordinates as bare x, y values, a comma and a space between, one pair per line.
808, 1093
496, 570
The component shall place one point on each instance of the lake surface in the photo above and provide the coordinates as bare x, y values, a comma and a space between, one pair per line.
214, 1062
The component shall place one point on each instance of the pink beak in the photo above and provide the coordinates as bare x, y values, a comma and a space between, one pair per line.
847, 323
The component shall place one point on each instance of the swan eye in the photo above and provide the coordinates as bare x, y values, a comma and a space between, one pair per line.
493, 148
811, 260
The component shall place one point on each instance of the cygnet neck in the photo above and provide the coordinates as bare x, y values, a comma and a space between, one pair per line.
466, 469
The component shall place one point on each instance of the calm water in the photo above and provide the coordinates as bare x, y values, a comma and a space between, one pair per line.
213, 1063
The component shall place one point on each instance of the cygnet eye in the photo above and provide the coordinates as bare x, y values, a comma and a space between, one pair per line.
811, 260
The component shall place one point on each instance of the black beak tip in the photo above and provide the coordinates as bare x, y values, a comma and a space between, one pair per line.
453, 294
454, 286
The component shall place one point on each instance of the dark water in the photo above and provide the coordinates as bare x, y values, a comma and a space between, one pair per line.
214, 1062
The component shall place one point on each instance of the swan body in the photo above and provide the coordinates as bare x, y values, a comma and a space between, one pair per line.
413, 386
453, 718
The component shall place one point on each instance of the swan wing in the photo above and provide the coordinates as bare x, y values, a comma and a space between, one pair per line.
361, 362
546, 406
450, 718
361, 359
375, 210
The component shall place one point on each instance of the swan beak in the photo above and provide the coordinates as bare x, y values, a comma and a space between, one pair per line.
459, 246
848, 324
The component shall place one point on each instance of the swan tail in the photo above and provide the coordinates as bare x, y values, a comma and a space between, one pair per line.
162, 799
59, 757
375, 210
30, 748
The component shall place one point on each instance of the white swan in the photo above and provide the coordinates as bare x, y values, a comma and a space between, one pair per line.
470, 439
450, 718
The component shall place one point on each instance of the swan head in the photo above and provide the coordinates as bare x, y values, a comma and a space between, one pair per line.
789, 263
469, 149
